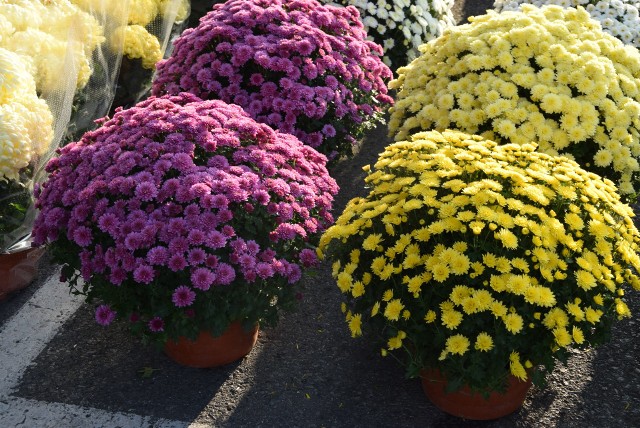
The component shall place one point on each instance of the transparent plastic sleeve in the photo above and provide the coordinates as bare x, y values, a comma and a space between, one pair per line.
55, 77
145, 39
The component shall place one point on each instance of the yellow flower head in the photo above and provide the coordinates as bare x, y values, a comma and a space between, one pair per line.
513, 323
451, 319
393, 309
484, 342
457, 344
516, 367
355, 325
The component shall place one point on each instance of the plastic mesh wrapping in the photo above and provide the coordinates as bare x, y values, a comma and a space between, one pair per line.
46, 54
145, 39
66, 56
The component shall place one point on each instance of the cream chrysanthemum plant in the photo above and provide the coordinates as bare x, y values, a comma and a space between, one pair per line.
480, 260
54, 37
619, 18
549, 75
26, 123
138, 34
400, 26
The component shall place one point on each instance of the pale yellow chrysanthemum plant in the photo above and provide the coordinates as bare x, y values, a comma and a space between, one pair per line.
549, 75
26, 123
482, 260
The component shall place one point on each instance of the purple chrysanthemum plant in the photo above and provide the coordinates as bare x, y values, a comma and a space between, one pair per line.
298, 66
181, 215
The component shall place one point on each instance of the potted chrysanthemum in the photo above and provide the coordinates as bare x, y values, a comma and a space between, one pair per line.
186, 219
549, 75
298, 66
26, 131
400, 27
482, 264
620, 18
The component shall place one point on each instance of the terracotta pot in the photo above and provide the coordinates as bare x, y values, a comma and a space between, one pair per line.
17, 270
208, 351
469, 405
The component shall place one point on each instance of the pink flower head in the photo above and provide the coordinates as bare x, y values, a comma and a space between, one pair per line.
183, 296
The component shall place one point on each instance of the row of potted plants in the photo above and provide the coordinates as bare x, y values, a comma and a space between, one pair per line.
479, 263
188, 213
474, 257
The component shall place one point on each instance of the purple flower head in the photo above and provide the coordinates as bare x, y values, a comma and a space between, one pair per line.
183, 296
82, 236
157, 255
202, 278
143, 274
156, 325
197, 256
225, 274
104, 315
308, 258
146, 191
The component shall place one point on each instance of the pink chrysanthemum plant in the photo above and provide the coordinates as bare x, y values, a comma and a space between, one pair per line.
482, 260
298, 66
181, 215
549, 75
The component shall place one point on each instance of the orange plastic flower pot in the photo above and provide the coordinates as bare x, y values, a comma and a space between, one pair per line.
209, 351
469, 405
18, 270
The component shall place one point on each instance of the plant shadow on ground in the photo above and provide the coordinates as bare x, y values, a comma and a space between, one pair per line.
88, 365
311, 373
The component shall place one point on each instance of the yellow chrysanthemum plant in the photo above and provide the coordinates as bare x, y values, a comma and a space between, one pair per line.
549, 75
482, 260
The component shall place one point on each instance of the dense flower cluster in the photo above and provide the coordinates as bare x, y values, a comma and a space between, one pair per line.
400, 26
480, 259
183, 214
619, 18
26, 128
298, 66
137, 36
136, 42
548, 75
44, 32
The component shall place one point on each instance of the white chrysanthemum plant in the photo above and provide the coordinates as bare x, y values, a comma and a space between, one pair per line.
26, 132
401, 26
620, 18
546, 75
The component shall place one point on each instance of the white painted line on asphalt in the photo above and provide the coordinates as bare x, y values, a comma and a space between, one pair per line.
32, 413
22, 338
27, 333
